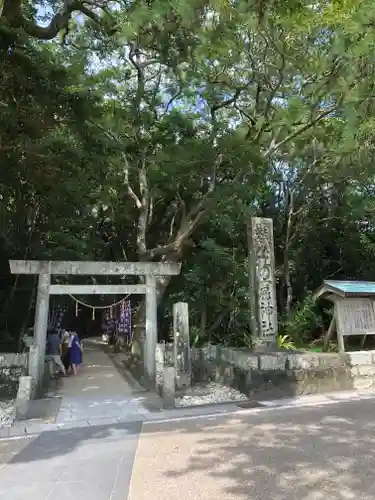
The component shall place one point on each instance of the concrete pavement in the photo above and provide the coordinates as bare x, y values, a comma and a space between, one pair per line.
92, 463
98, 395
97, 392
324, 452
82, 455
9, 448
307, 453
310, 448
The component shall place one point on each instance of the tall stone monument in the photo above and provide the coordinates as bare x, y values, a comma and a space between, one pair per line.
263, 305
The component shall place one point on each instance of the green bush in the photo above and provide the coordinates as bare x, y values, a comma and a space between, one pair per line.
197, 338
285, 342
301, 324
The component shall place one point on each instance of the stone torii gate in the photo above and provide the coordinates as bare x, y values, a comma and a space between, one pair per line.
63, 268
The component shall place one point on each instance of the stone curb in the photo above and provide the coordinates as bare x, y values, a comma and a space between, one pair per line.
330, 397
36, 428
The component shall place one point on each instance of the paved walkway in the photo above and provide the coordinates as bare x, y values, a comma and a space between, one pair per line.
90, 456
99, 394
91, 463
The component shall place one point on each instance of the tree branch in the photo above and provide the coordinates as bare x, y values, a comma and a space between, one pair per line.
12, 12
171, 100
143, 208
274, 146
188, 223
227, 102
130, 190
127, 184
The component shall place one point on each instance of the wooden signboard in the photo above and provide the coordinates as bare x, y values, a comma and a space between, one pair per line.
354, 316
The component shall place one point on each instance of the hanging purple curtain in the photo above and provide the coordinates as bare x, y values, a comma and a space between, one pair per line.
124, 323
57, 317
108, 323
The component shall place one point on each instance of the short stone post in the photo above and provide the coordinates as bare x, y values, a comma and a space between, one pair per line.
24, 395
182, 354
169, 386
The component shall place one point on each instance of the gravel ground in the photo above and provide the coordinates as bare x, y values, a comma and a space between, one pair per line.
6, 413
210, 394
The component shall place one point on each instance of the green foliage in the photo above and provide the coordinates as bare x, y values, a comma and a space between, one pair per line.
153, 132
286, 342
197, 338
301, 324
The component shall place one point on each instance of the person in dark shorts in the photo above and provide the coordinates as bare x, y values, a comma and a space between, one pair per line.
65, 351
53, 353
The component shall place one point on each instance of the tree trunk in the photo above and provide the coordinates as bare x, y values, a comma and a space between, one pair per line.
329, 334
8, 7
215, 325
203, 325
288, 233
30, 223
287, 283
162, 283
28, 312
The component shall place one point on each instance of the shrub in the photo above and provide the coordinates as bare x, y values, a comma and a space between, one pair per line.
301, 324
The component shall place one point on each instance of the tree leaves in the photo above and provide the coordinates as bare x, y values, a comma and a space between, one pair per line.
158, 128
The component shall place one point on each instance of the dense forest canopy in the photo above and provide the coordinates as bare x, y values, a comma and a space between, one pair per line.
152, 130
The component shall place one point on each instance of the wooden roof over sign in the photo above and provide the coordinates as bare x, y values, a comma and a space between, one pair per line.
346, 289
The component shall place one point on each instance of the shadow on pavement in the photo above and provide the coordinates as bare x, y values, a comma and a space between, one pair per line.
310, 453
306, 453
59, 443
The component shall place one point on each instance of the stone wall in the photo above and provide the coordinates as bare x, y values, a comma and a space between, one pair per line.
12, 367
283, 374
274, 375
362, 369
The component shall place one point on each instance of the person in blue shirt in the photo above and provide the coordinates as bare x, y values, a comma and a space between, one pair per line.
75, 352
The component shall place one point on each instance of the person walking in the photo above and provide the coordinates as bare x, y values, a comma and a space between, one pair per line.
53, 352
65, 351
75, 352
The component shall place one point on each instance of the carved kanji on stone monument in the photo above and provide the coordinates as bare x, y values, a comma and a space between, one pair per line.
262, 280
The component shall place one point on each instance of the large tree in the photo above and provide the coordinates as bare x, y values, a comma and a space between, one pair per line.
243, 81
169, 128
